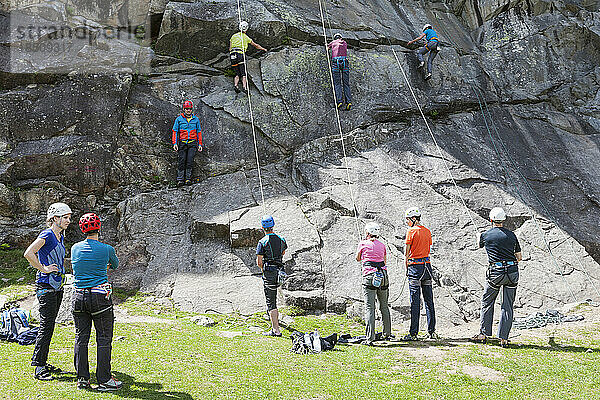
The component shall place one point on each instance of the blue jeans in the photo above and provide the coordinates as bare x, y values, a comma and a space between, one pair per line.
430, 48
341, 80
420, 279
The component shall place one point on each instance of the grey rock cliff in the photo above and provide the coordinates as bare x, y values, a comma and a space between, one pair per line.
513, 106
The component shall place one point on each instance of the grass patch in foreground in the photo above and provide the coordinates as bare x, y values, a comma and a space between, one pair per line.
181, 360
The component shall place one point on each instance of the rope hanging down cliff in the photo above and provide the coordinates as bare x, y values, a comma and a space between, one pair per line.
262, 193
339, 123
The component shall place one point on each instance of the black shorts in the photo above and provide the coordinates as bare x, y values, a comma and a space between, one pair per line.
270, 286
237, 63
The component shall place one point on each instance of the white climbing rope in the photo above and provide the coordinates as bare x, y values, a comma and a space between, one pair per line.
433, 138
262, 193
339, 123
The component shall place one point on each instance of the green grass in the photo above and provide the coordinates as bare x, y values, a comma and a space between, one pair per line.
181, 360
16, 275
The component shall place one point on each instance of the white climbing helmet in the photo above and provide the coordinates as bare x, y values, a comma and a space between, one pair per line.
58, 210
427, 26
244, 26
372, 228
497, 214
337, 36
412, 212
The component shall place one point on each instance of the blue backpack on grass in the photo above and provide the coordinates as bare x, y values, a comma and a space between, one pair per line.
15, 326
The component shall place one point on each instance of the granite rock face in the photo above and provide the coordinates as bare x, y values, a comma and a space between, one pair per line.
513, 108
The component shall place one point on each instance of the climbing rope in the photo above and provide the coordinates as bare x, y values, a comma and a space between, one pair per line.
339, 124
262, 193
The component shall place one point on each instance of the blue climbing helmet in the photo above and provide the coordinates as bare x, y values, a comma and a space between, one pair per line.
267, 221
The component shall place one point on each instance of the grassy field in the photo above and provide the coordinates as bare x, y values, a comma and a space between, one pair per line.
177, 359
160, 354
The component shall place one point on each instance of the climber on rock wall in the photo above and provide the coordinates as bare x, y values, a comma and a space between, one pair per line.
186, 140
431, 47
341, 71
238, 44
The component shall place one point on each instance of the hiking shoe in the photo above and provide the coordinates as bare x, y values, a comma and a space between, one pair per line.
348, 106
367, 342
422, 64
339, 106
42, 374
188, 182
52, 369
111, 385
245, 90
271, 333
479, 338
410, 338
180, 183
428, 76
237, 89
388, 337
433, 336
504, 343
83, 384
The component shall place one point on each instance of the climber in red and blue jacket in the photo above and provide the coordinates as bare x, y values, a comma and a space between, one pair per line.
186, 139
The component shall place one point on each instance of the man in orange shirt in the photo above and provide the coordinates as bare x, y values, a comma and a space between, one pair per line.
418, 270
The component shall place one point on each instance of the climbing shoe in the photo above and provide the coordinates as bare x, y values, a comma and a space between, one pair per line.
180, 183
188, 182
83, 384
340, 105
237, 89
367, 343
433, 336
245, 90
111, 385
428, 76
348, 106
42, 374
410, 338
504, 343
421, 65
388, 337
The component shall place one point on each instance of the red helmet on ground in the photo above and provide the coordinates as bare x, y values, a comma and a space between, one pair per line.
188, 104
89, 222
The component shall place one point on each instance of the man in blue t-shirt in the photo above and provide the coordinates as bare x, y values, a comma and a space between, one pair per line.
269, 258
504, 254
431, 47
92, 303
47, 255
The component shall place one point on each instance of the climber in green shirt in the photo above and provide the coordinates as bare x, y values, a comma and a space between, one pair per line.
238, 44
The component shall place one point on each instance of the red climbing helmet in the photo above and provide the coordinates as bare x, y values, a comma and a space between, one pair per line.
89, 222
188, 104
